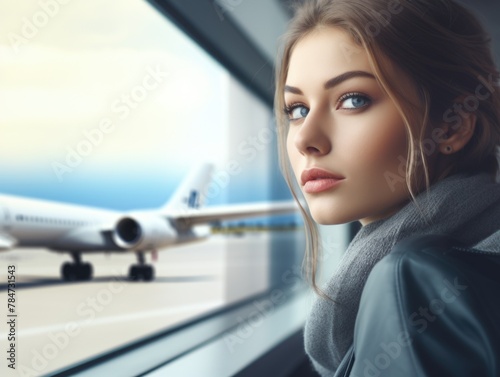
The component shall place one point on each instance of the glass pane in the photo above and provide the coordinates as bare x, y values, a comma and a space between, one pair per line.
109, 105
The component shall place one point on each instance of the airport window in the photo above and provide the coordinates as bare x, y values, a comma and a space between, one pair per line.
111, 105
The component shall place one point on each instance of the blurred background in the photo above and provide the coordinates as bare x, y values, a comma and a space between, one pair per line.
177, 83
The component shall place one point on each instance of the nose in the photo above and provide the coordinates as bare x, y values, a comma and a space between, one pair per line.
312, 137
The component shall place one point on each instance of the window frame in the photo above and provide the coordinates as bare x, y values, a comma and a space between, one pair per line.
223, 40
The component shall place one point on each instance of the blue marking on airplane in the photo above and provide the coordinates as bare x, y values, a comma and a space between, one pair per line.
193, 199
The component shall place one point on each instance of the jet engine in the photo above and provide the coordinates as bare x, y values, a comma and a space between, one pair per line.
143, 232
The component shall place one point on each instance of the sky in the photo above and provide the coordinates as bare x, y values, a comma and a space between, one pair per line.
109, 104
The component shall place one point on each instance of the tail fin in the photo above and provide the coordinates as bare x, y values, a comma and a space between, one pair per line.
189, 195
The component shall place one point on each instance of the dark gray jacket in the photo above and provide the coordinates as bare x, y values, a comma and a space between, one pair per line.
429, 308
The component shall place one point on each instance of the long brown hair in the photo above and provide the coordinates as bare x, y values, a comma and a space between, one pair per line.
443, 48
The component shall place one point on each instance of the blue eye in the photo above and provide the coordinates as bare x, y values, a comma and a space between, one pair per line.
353, 101
296, 111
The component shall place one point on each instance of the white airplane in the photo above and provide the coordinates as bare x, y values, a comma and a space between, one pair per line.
78, 229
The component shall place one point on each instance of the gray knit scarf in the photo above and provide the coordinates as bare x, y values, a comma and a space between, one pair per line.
464, 206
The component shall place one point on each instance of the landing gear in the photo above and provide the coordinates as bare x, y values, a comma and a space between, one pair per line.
79, 271
141, 271
76, 271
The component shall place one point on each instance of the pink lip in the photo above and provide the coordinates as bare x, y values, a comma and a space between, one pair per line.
317, 180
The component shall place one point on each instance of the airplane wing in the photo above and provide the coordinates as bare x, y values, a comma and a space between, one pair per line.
189, 217
7, 242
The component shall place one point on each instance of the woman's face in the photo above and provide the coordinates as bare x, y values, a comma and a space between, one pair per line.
343, 123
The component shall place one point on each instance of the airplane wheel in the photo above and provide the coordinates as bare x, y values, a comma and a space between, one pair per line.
69, 272
148, 273
134, 273
85, 271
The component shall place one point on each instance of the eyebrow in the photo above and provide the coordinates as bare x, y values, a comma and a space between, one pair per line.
334, 81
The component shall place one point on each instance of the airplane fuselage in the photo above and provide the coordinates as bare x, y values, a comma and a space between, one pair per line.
41, 223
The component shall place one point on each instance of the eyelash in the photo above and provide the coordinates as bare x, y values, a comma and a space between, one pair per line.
288, 109
353, 95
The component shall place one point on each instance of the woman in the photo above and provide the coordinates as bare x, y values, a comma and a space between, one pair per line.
389, 114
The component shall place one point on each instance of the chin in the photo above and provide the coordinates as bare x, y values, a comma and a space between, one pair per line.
328, 218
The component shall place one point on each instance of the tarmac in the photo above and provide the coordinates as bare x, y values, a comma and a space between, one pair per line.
58, 323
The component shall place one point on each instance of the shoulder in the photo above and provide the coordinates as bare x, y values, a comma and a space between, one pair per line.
430, 307
428, 262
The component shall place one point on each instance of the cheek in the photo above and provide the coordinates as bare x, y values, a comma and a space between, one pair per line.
385, 145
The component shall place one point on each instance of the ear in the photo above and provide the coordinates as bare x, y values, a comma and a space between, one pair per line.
455, 137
